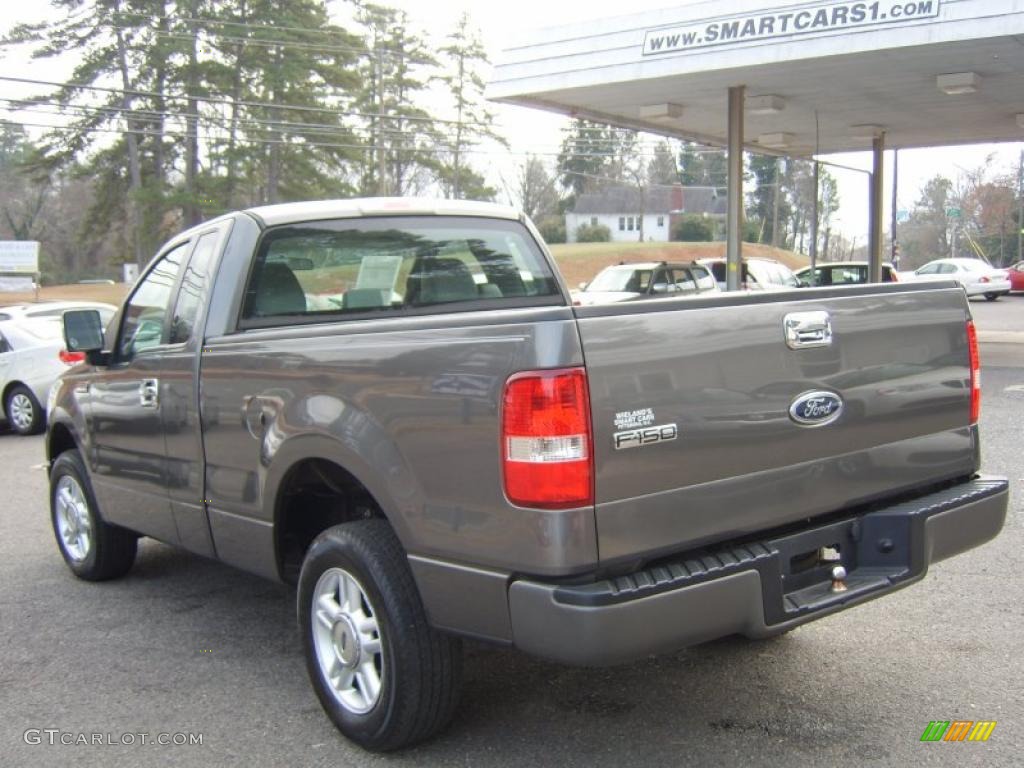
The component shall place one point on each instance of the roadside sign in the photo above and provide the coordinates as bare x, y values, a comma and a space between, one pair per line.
953, 213
19, 256
17, 284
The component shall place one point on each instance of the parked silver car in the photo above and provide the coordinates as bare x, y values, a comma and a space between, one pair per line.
32, 357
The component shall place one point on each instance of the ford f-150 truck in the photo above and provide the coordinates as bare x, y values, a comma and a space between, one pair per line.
394, 405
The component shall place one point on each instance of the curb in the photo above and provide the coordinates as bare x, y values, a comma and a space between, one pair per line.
1001, 337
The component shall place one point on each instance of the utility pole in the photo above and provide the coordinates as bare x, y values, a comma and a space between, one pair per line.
893, 255
1020, 205
382, 187
775, 207
814, 223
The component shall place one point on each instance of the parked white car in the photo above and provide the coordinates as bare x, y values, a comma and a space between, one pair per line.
647, 280
32, 357
976, 276
54, 309
759, 274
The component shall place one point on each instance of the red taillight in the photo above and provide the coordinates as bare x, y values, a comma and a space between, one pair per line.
71, 358
984, 279
546, 439
972, 349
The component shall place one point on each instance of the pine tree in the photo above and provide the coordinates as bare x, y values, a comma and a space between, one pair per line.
402, 136
465, 55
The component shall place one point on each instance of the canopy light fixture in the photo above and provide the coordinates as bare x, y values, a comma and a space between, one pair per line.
958, 82
769, 104
661, 111
775, 140
866, 132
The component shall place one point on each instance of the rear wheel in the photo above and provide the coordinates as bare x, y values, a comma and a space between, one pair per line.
23, 411
93, 550
383, 675
991, 296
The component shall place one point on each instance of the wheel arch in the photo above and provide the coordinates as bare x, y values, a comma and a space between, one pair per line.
10, 385
312, 492
60, 437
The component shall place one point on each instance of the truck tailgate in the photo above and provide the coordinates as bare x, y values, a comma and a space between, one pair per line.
695, 407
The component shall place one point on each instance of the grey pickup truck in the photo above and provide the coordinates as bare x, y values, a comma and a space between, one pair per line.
394, 405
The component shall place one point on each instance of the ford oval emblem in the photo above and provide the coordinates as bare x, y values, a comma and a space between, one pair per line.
816, 409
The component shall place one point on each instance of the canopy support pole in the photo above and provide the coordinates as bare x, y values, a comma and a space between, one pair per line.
875, 211
734, 195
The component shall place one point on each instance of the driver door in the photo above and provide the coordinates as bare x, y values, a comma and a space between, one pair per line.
128, 461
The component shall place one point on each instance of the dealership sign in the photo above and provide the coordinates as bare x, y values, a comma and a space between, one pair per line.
16, 284
20, 256
801, 19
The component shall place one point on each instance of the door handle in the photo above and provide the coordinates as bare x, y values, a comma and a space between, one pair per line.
149, 393
807, 329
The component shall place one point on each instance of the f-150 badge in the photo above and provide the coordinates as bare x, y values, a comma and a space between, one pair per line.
635, 438
816, 409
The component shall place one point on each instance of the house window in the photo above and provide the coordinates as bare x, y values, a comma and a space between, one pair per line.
622, 223
629, 223
593, 221
661, 221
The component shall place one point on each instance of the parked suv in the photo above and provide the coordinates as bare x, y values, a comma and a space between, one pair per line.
842, 273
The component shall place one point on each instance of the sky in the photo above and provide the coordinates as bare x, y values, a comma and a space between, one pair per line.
534, 131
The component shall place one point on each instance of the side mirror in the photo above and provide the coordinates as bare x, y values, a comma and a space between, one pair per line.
83, 331
583, 286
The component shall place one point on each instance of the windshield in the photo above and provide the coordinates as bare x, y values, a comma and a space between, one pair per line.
628, 279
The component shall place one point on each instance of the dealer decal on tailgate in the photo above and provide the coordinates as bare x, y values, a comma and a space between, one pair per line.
637, 429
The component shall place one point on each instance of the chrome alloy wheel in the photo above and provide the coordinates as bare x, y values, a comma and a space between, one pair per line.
347, 640
22, 412
73, 521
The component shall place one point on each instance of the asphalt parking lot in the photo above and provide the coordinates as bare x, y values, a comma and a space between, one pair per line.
184, 645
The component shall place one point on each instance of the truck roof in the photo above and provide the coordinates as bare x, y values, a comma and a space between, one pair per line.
289, 213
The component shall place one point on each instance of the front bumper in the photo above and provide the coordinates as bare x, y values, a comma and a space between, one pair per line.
756, 589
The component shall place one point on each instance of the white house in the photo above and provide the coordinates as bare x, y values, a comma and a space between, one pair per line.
633, 214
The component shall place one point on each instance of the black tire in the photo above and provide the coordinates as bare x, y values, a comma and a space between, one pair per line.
110, 552
991, 296
420, 669
36, 420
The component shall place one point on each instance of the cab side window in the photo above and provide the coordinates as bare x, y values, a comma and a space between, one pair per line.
143, 325
194, 286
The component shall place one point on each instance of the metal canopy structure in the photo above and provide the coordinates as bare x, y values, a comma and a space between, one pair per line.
817, 77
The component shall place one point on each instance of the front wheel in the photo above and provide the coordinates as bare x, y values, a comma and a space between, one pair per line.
23, 411
991, 296
383, 675
93, 550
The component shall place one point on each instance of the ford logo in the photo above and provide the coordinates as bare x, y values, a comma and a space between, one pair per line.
816, 409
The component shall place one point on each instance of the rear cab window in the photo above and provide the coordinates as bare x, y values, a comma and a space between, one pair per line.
323, 270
